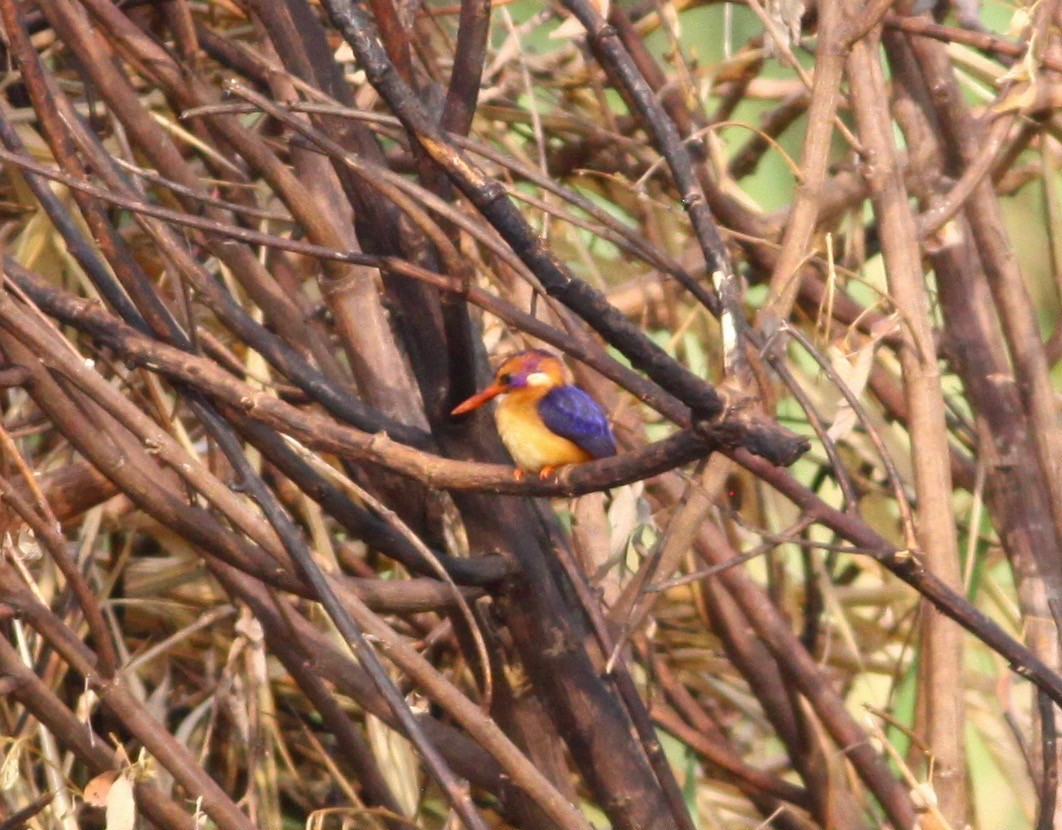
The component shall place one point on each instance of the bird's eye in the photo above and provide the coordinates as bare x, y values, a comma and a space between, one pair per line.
505, 379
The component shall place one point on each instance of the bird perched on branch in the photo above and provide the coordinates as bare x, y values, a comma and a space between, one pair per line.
544, 421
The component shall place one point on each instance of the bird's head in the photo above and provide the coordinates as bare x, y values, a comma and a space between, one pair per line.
535, 371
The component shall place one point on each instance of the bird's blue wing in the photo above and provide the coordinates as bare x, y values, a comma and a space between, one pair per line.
571, 413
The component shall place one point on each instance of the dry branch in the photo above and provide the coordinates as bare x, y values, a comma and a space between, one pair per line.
254, 254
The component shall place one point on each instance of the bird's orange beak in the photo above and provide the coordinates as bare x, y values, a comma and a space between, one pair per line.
479, 399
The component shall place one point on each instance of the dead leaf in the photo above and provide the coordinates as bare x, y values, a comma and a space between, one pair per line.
1019, 23
398, 762
121, 805
854, 369
10, 771
1024, 100
572, 28
625, 514
96, 790
786, 15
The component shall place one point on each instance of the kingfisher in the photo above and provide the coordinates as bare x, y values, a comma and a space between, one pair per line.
544, 421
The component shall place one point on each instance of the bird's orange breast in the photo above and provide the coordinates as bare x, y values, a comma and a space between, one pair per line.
530, 442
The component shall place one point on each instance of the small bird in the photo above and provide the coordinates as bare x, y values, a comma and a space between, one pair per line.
544, 421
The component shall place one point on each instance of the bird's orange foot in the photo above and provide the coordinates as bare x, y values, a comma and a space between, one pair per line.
546, 472
518, 474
